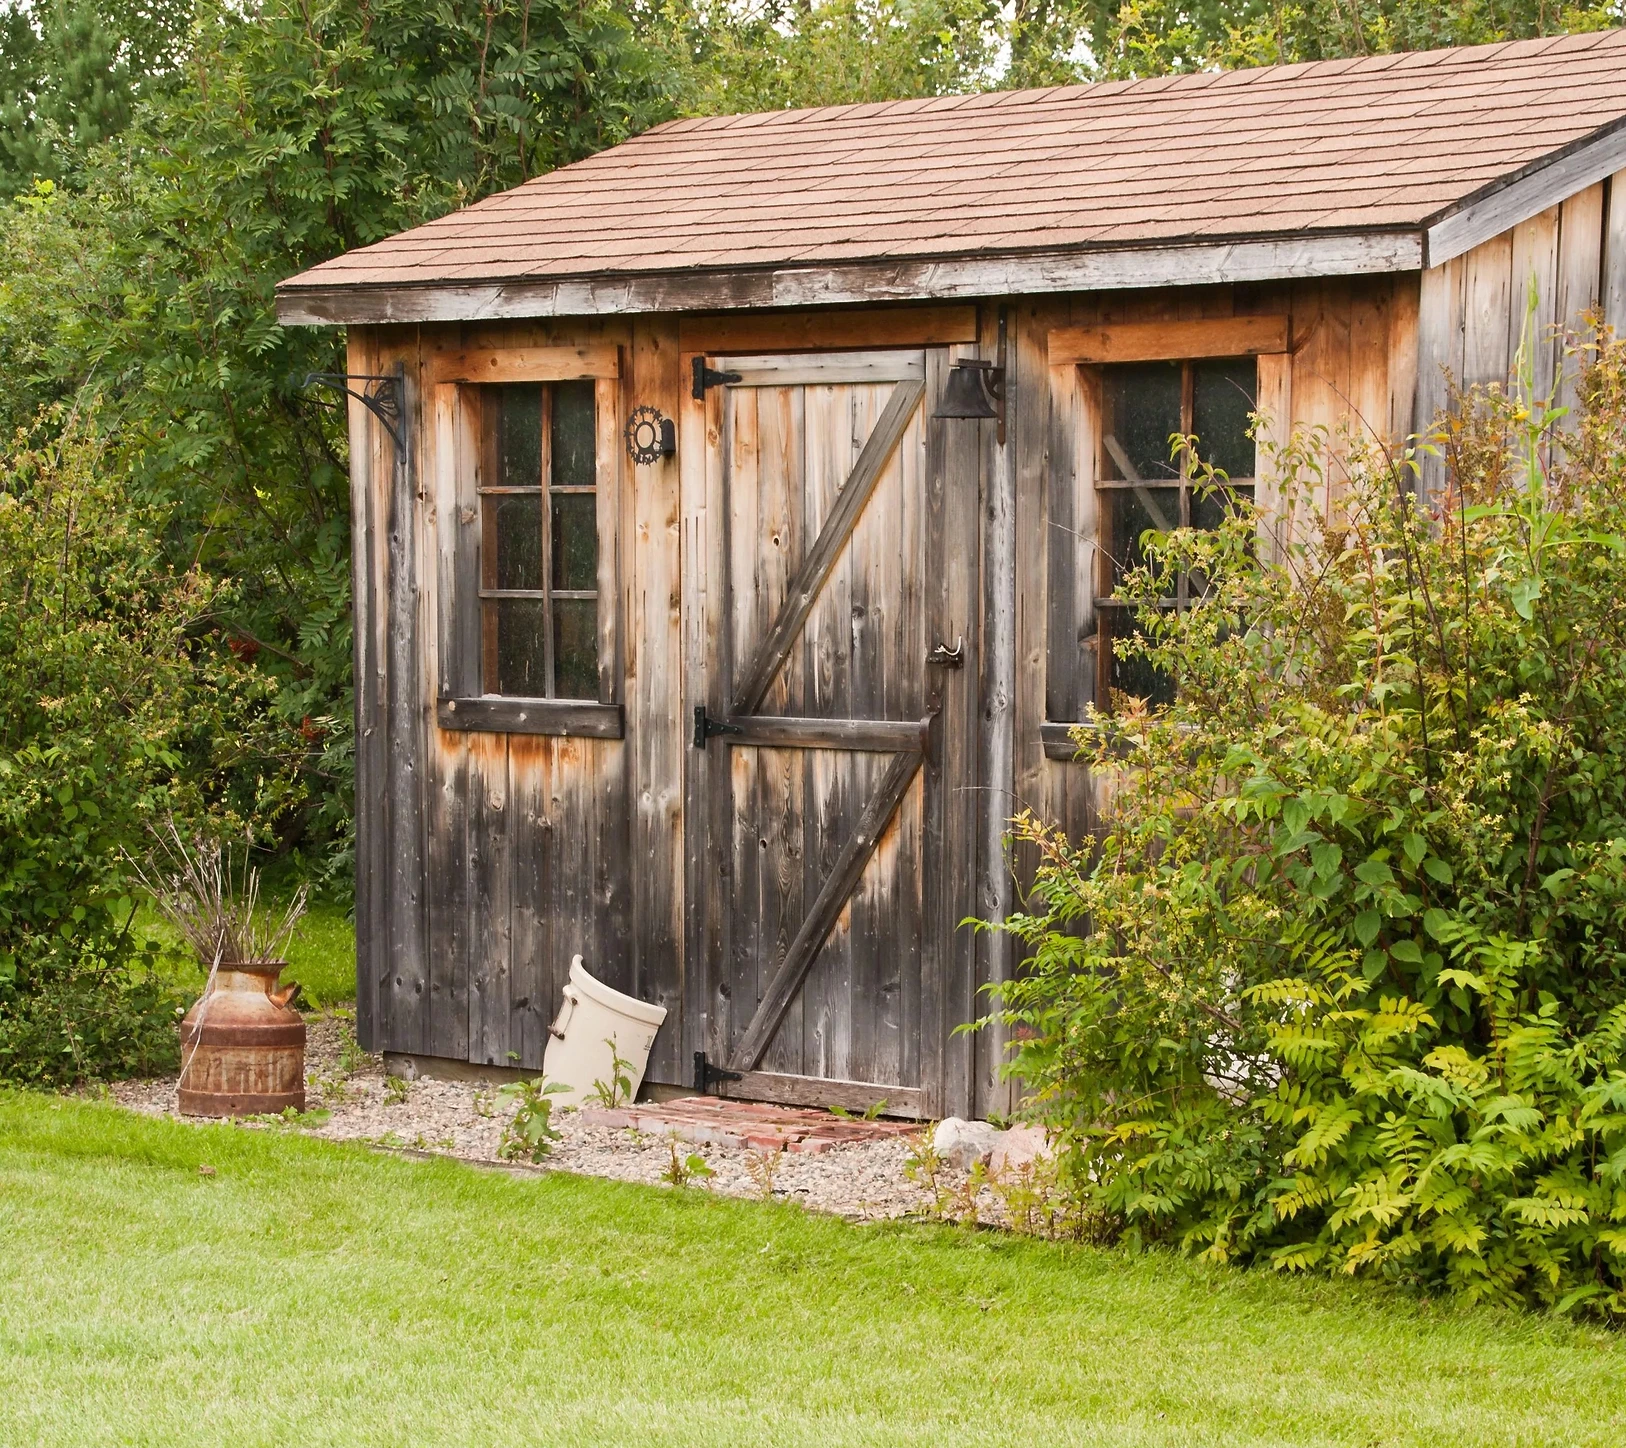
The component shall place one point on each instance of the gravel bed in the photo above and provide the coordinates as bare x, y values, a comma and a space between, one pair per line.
864, 1181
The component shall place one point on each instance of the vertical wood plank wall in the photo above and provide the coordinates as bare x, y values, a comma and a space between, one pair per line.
488, 860
1476, 309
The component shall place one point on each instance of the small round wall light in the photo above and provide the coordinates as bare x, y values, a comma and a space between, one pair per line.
650, 435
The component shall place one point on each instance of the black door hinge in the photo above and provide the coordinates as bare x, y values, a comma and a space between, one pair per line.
706, 1075
705, 377
705, 726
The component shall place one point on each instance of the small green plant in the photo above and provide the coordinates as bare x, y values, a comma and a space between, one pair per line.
617, 1091
870, 1112
763, 1168
1039, 1198
351, 1056
683, 1169
290, 1116
531, 1133
948, 1198
396, 1090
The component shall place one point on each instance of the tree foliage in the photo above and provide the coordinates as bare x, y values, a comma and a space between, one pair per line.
293, 132
118, 700
1341, 981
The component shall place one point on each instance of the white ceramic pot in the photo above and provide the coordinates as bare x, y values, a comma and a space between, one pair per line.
593, 1019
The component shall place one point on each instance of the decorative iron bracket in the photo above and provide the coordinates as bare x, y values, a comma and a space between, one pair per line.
705, 377
381, 395
707, 1075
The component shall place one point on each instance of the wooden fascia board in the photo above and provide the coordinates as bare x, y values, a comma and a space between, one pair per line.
1504, 204
856, 283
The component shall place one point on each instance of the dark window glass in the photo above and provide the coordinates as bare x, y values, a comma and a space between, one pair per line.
540, 541
575, 648
575, 541
1134, 676
1131, 512
1142, 413
1143, 406
518, 540
572, 435
519, 436
521, 656
1224, 395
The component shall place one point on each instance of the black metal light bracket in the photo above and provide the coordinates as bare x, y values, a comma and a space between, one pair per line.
706, 1075
381, 394
705, 727
705, 377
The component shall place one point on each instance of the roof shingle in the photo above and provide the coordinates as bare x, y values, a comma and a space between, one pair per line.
1281, 151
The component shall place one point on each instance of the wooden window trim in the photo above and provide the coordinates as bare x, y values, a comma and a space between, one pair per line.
1190, 341
527, 364
1077, 355
509, 714
462, 464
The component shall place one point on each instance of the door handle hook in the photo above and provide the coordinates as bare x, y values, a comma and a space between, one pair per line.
943, 657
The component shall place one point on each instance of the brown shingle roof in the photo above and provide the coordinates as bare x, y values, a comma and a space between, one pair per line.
1386, 142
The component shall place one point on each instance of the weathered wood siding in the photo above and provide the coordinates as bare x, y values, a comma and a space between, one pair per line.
486, 859
1527, 285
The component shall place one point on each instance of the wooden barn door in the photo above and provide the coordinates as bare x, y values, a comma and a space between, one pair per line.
835, 859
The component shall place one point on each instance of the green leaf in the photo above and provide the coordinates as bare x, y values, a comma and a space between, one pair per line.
1367, 925
1374, 872
1525, 593
1415, 847
1408, 951
1437, 869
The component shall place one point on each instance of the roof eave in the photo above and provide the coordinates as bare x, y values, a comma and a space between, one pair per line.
1350, 252
1510, 200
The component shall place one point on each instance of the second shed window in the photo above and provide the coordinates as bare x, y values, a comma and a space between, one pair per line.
1143, 488
539, 542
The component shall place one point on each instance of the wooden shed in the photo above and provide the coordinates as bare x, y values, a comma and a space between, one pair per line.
690, 636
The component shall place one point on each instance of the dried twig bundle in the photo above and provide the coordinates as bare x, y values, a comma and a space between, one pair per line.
220, 919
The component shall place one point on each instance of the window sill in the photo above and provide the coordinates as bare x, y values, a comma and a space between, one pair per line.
1058, 741
492, 714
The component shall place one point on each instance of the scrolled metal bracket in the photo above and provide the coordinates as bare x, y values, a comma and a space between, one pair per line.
381, 395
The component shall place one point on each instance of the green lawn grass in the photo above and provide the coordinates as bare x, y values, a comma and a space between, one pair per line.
318, 1294
321, 955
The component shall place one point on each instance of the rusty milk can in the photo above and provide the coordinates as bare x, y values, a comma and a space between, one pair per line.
248, 1056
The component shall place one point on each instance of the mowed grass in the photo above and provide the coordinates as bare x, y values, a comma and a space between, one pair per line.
318, 1294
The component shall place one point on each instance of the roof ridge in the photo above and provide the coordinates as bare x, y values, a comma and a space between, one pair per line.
1447, 56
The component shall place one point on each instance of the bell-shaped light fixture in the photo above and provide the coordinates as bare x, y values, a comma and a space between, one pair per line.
969, 391
976, 388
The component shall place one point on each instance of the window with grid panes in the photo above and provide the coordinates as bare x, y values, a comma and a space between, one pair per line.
1142, 487
539, 542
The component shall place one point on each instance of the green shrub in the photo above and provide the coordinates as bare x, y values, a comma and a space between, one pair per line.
1340, 983
115, 704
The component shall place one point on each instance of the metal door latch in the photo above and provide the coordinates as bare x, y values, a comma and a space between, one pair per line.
707, 1075
705, 377
943, 657
705, 726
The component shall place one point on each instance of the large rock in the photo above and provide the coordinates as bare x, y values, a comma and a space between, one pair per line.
962, 1144
1019, 1147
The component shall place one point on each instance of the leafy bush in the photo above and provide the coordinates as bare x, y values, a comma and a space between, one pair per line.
114, 705
1340, 983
